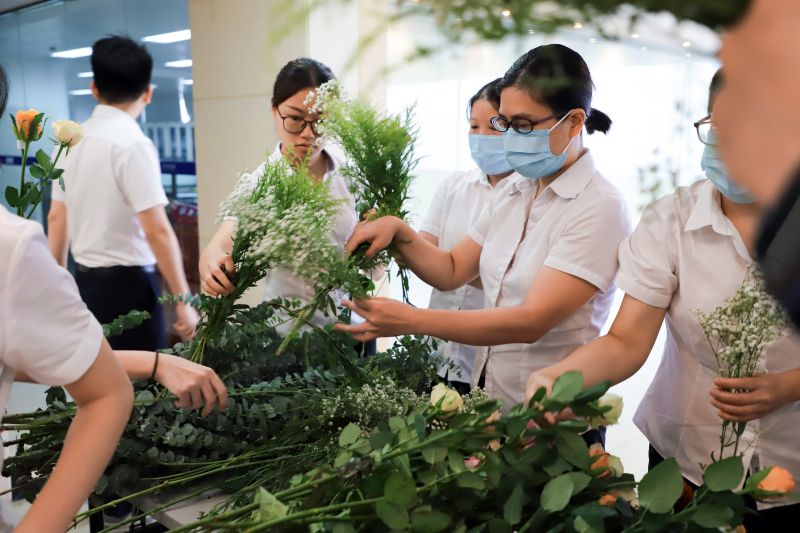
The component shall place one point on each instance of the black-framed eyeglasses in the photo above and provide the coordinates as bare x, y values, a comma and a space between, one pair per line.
295, 124
520, 125
704, 130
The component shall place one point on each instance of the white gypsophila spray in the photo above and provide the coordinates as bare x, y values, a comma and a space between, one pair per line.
739, 330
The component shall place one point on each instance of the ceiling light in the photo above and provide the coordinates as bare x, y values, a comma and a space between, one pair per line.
180, 63
634, 35
686, 44
577, 25
80, 92
171, 37
531, 32
73, 53
187, 82
592, 40
506, 13
88, 74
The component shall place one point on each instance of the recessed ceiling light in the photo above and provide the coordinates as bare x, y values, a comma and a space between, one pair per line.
180, 63
171, 37
88, 74
686, 44
506, 13
73, 53
80, 92
577, 25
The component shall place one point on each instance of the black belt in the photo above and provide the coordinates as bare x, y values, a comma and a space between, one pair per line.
117, 269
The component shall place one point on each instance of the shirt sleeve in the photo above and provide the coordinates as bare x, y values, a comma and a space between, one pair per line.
434, 220
480, 228
588, 246
50, 334
140, 179
646, 261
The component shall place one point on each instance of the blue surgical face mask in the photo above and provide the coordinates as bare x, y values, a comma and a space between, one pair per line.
529, 153
715, 170
487, 152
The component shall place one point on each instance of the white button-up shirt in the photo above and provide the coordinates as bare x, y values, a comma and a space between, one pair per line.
686, 256
574, 226
458, 203
280, 283
110, 176
46, 330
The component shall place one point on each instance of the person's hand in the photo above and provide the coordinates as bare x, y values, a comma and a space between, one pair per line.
186, 325
384, 318
378, 233
759, 396
194, 385
537, 380
215, 282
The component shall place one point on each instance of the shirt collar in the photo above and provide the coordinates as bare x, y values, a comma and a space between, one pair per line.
478, 176
111, 112
333, 161
569, 184
707, 210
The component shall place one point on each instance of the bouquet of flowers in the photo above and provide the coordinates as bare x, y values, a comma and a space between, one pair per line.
28, 128
380, 161
738, 331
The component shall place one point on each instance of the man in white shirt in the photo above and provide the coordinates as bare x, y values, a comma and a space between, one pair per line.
112, 209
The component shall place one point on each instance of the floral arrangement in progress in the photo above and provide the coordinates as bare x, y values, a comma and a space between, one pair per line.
316, 438
739, 330
28, 127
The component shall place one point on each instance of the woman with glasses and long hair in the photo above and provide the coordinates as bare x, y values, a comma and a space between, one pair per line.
545, 248
690, 252
299, 143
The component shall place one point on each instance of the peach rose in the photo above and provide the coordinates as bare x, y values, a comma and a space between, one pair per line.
495, 445
24, 120
608, 500
600, 460
778, 480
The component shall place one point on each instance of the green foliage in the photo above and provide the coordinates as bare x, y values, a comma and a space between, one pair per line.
125, 322
492, 21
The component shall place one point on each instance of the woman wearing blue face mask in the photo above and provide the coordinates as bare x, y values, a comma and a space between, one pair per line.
690, 252
545, 248
458, 203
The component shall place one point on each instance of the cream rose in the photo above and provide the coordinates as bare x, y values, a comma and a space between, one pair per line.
450, 398
610, 417
68, 133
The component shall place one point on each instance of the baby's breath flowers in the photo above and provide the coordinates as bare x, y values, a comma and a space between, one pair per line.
739, 330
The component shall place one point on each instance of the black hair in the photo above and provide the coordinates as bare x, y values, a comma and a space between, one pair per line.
488, 92
122, 69
4, 90
713, 89
559, 78
299, 74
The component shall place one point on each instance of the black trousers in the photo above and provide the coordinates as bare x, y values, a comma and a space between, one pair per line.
110, 292
766, 521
